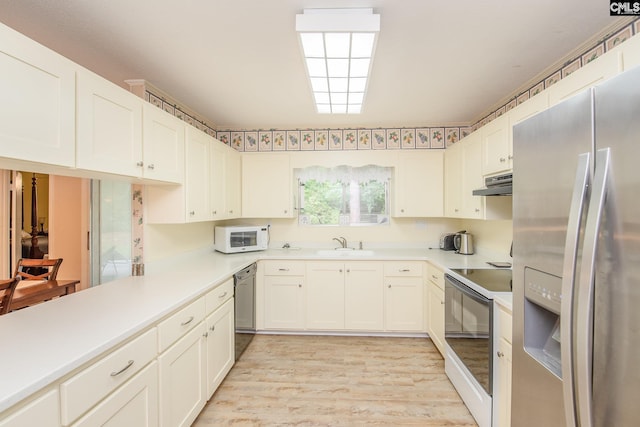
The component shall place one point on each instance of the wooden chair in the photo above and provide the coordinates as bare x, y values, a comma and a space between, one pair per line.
7, 287
37, 269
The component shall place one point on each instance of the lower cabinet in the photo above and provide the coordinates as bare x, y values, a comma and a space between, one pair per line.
133, 404
220, 345
404, 296
502, 368
364, 296
435, 307
182, 373
42, 411
325, 295
284, 290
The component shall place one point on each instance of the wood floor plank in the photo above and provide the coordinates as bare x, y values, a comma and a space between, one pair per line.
284, 380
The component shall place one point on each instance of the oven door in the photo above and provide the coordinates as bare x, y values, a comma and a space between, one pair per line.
469, 330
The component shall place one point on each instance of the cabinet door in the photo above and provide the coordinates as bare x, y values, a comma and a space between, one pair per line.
364, 296
38, 91
597, 71
233, 184
109, 123
197, 175
419, 186
43, 411
218, 180
284, 302
522, 112
404, 304
182, 379
133, 404
163, 145
503, 393
436, 316
453, 181
471, 171
220, 336
495, 146
325, 295
266, 185
630, 52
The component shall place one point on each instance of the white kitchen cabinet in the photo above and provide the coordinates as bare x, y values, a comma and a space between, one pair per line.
109, 127
218, 180
162, 145
267, 190
522, 112
197, 175
435, 309
463, 174
38, 89
496, 146
182, 370
325, 295
596, 71
418, 184
453, 180
41, 411
630, 50
233, 184
135, 403
220, 345
364, 296
502, 368
404, 296
284, 295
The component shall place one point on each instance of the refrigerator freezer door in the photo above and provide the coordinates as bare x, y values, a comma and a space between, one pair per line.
546, 152
616, 340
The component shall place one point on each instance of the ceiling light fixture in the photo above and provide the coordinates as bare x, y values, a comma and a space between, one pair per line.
338, 46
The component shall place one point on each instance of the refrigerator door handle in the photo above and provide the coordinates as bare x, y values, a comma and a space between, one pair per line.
585, 291
578, 198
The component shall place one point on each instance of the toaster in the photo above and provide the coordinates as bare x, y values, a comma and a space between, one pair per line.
446, 241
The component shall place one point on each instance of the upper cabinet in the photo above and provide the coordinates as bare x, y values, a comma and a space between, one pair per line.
197, 179
603, 68
162, 145
463, 174
267, 190
39, 87
224, 181
496, 146
109, 122
418, 184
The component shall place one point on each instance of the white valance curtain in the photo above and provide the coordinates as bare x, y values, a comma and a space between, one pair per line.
344, 174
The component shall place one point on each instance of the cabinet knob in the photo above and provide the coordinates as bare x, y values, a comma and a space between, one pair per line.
231, 211
212, 328
455, 210
510, 157
192, 213
502, 160
500, 354
151, 166
348, 270
215, 212
139, 164
300, 285
402, 210
340, 270
441, 302
477, 210
389, 286
206, 334
286, 211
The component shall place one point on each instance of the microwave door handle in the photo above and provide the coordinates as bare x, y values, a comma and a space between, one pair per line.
585, 291
578, 198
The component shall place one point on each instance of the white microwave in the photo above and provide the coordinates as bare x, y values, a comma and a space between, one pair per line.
234, 239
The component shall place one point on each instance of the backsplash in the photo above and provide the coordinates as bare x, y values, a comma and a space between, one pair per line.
375, 138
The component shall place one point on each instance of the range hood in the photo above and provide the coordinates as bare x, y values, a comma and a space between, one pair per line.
498, 185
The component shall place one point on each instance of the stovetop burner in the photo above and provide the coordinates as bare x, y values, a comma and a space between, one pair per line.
492, 279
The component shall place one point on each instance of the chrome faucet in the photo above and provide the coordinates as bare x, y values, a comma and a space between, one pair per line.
341, 240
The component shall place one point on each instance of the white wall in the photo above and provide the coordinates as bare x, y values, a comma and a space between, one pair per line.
491, 238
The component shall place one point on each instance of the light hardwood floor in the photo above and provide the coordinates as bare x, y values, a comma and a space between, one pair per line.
283, 380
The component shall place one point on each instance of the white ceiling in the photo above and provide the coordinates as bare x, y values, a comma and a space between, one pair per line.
238, 62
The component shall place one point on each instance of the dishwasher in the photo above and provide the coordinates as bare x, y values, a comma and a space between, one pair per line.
245, 307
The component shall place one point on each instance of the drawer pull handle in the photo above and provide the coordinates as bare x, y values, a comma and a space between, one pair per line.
223, 295
186, 322
116, 373
283, 269
433, 276
404, 270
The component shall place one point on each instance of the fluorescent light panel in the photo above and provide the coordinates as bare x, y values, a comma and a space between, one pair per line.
338, 47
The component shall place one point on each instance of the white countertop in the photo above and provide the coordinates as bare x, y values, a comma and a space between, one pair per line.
43, 343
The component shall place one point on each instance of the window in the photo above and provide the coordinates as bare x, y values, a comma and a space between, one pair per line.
343, 195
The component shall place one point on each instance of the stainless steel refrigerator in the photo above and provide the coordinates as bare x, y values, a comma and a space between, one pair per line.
576, 266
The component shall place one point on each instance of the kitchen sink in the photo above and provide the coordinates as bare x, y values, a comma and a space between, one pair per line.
344, 252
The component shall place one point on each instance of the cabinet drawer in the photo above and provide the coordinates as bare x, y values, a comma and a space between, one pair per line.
218, 296
436, 276
403, 268
504, 322
284, 268
180, 323
88, 387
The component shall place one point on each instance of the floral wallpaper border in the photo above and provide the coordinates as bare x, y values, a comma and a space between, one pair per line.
381, 138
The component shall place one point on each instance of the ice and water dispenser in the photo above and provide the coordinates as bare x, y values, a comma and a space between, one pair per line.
543, 294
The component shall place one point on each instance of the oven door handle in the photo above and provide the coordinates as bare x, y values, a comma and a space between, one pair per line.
466, 290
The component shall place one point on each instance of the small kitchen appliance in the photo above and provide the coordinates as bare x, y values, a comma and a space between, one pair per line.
463, 243
234, 239
447, 240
